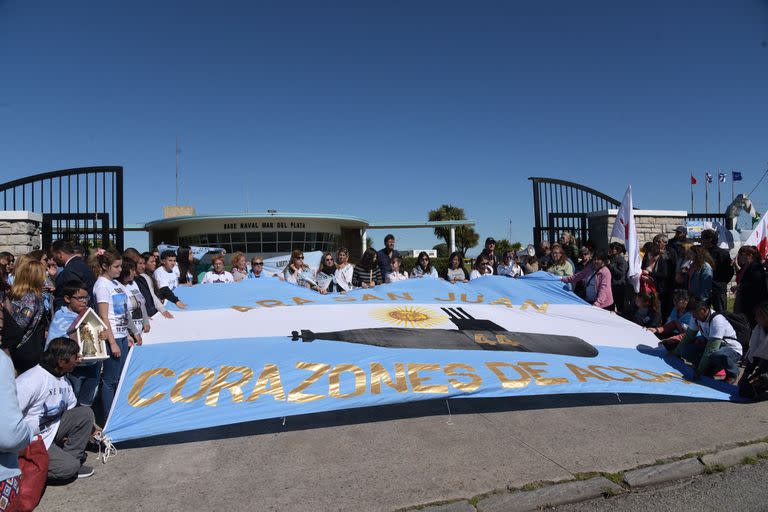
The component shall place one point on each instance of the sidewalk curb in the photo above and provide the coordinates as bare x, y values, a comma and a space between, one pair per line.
661, 473
549, 496
735, 455
573, 491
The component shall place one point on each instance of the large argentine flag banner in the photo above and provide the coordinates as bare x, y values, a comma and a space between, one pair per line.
263, 349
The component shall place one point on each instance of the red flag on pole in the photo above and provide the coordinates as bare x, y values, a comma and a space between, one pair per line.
693, 180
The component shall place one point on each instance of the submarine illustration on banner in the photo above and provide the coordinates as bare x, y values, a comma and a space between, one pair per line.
470, 334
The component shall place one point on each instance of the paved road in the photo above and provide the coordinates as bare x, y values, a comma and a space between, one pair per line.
742, 488
404, 455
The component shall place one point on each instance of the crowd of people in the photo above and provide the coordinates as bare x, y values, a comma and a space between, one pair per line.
48, 391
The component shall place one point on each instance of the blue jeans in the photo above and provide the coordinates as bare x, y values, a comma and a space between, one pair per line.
85, 382
113, 367
724, 358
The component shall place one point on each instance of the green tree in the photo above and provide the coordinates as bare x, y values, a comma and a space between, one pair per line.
466, 237
504, 245
369, 242
442, 250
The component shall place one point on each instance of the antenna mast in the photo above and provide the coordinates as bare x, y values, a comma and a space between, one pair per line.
177, 170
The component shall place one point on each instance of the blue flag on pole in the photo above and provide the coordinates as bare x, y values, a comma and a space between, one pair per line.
736, 175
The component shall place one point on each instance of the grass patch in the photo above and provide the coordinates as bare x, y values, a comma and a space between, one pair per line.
714, 468
617, 478
762, 455
749, 460
610, 493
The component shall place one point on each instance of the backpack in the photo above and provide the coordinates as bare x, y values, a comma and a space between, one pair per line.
741, 325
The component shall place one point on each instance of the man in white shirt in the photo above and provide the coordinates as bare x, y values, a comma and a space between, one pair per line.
218, 274
508, 266
48, 403
717, 349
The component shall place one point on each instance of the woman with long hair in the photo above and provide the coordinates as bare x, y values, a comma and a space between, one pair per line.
561, 266
481, 268
455, 271
297, 272
423, 267
750, 286
24, 315
326, 272
344, 270
648, 312
137, 308
111, 300
397, 274
696, 273
185, 260
367, 274
239, 266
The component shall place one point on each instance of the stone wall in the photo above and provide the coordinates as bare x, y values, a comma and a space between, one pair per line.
20, 231
649, 224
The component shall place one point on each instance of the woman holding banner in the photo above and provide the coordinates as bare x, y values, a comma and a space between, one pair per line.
344, 270
367, 273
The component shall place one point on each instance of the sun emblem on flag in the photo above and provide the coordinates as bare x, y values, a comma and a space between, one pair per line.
408, 316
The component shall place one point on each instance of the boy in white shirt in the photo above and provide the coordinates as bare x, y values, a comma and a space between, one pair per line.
167, 278
47, 401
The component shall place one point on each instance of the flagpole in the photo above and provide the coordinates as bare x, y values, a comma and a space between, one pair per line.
706, 193
719, 210
733, 194
691, 181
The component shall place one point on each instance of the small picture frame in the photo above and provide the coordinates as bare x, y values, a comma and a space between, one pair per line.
87, 330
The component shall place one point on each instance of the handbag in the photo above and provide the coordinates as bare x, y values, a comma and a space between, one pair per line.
33, 462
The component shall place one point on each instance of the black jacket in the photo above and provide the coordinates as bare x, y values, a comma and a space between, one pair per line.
74, 270
723, 271
751, 291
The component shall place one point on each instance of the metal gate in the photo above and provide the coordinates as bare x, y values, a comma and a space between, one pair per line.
83, 205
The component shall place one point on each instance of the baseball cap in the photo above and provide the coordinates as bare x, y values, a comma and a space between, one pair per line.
681, 229
490, 240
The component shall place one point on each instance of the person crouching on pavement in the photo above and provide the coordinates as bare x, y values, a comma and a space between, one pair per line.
717, 347
47, 401
754, 381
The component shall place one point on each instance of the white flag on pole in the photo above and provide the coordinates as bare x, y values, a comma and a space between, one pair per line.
759, 237
625, 230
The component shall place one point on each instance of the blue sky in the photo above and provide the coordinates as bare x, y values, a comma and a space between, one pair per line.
386, 110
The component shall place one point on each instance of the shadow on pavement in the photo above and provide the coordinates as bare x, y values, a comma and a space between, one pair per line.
362, 415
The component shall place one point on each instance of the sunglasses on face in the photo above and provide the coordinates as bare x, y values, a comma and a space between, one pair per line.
83, 298
257, 263
299, 257
327, 260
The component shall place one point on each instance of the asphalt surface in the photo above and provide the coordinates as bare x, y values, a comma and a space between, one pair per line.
393, 457
743, 488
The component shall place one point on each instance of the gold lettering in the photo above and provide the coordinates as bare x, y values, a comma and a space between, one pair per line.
583, 374
503, 301
369, 296
529, 303
503, 340
478, 299
270, 375
299, 301
483, 340
184, 376
417, 380
536, 374
451, 298
318, 369
334, 381
344, 299
269, 303
134, 400
235, 387
242, 309
379, 375
599, 370
402, 296
633, 373
506, 382
453, 369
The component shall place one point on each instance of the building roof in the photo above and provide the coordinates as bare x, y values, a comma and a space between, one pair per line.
172, 221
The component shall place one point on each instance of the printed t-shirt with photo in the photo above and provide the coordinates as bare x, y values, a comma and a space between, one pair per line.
114, 294
43, 398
